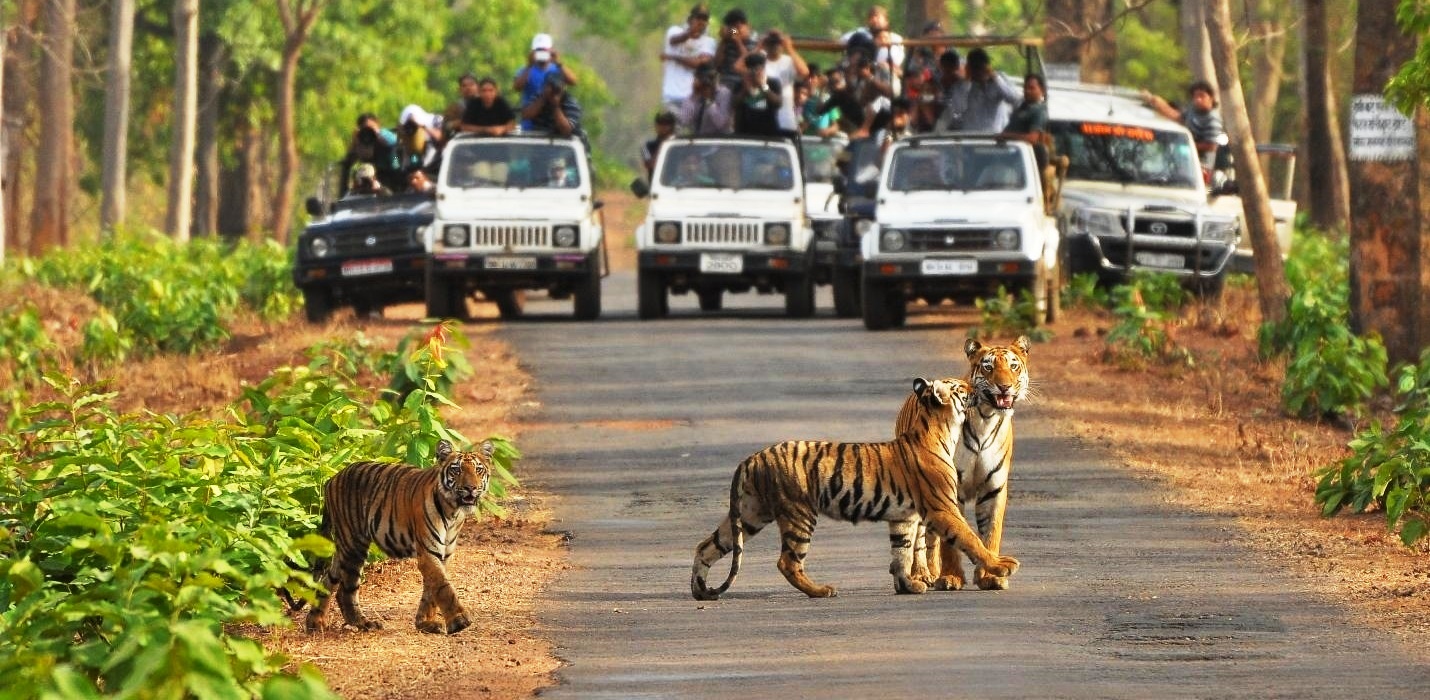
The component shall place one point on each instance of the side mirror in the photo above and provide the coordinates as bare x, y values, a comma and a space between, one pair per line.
841, 184
314, 206
596, 205
1228, 188
640, 188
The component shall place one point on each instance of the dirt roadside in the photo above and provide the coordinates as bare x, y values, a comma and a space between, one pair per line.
1209, 435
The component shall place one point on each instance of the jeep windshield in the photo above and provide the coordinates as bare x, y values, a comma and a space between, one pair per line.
730, 166
966, 167
1129, 155
500, 164
821, 158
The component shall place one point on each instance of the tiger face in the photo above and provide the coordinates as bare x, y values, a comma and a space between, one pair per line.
949, 391
999, 373
465, 475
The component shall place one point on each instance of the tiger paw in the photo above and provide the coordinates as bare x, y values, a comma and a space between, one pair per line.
948, 583
906, 586
822, 592
993, 583
314, 622
458, 623
1002, 569
429, 626
366, 625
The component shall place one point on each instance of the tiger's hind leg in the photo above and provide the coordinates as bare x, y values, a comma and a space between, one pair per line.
342, 580
794, 548
438, 594
903, 540
924, 565
989, 512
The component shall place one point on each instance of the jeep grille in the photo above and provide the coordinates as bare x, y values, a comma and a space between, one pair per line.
514, 235
374, 239
939, 240
723, 233
1180, 228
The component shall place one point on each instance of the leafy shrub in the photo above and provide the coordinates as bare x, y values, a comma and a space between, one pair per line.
1003, 316
25, 349
1083, 291
1145, 309
1329, 369
1389, 467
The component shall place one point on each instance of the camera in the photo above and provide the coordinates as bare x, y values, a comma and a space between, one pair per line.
367, 136
556, 82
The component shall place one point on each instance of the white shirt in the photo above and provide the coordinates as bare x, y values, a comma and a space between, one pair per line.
679, 78
783, 69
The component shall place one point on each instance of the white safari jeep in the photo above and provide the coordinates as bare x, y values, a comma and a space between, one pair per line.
956, 217
727, 214
515, 213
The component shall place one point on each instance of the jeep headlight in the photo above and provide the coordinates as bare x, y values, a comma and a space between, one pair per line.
1099, 222
564, 237
1006, 239
863, 226
1219, 230
667, 232
892, 240
419, 236
455, 235
320, 247
777, 234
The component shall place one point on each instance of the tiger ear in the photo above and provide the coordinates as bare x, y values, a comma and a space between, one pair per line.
1023, 343
971, 347
488, 448
444, 450
920, 384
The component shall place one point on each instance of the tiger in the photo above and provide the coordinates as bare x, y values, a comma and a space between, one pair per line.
984, 457
899, 482
409, 512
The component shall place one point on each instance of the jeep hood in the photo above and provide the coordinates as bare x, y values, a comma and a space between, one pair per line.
1112, 195
938, 207
729, 204
514, 205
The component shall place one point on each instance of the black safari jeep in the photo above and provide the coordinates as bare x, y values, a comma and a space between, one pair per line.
363, 251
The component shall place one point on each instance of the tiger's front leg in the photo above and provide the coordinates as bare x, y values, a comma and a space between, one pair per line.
944, 558
990, 523
903, 541
437, 593
923, 566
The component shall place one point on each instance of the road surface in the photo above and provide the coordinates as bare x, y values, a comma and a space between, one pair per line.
638, 430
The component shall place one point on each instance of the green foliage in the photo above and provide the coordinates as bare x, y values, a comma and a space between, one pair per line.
1389, 467
1411, 85
1329, 369
26, 351
134, 547
1146, 308
1002, 316
1083, 291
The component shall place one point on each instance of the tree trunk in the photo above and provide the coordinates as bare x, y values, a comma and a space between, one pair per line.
16, 106
1256, 204
116, 115
213, 56
1079, 42
3, 148
1328, 193
237, 191
1190, 14
50, 216
1388, 263
179, 219
1268, 53
918, 13
298, 17
1099, 52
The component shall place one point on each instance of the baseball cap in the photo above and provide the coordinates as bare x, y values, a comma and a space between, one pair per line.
540, 42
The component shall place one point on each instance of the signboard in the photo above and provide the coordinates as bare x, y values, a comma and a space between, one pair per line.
1062, 72
1379, 131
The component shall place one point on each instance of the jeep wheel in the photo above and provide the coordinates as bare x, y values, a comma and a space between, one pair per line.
510, 302
317, 303
846, 291
799, 296
445, 299
879, 301
711, 299
650, 294
588, 296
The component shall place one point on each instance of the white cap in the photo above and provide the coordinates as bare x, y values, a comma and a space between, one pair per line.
541, 41
421, 116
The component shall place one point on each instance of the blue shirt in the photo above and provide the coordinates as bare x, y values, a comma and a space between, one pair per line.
535, 78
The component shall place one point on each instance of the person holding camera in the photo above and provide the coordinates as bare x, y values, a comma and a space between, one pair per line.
686, 48
735, 42
419, 135
758, 101
541, 63
376, 146
886, 46
555, 111
706, 111
488, 113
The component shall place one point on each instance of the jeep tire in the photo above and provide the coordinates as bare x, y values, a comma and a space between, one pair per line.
587, 304
878, 306
651, 298
711, 298
510, 302
845, 282
317, 303
799, 296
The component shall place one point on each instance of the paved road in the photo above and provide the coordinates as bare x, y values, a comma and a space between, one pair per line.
1120, 596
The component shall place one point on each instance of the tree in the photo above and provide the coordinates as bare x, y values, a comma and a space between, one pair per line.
50, 217
918, 13
212, 56
1388, 260
116, 114
1267, 46
298, 17
1256, 204
186, 86
1079, 33
2, 145
1328, 194
1191, 22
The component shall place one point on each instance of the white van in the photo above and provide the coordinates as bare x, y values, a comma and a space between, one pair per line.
1134, 196
727, 214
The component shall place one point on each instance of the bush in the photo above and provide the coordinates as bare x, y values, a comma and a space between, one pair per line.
1145, 309
1003, 316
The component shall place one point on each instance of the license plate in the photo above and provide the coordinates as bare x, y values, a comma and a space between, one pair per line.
510, 263
1167, 260
949, 267
722, 263
357, 268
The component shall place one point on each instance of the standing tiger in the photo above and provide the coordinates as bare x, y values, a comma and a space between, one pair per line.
793, 483
408, 512
999, 376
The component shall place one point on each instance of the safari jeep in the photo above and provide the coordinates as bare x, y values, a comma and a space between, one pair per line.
820, 159
727, 214
957, 217
515, 213
1134, 197
363, 251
